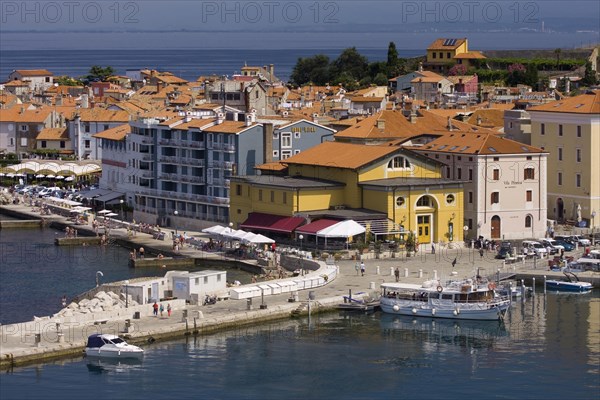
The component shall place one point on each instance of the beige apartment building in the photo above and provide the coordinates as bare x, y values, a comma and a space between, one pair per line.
569, 130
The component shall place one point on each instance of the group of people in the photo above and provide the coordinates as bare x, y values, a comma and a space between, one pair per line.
156, 309
360, 266
70, 232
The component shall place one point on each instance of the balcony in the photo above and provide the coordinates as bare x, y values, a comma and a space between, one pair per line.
147, 157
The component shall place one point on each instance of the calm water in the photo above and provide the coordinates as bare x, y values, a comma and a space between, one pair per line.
35, 273
546, 350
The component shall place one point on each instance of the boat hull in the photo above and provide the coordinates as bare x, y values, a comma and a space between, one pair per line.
103, 353
482, 312
574, 287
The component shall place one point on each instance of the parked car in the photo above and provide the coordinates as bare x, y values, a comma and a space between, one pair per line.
581, 240
568, 246
565, 238
531, 247
552, 246
504, 252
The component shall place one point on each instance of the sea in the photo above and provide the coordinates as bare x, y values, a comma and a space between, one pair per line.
548, 347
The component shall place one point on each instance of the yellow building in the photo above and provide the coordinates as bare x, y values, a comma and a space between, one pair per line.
444, 53
386, 188
569, 129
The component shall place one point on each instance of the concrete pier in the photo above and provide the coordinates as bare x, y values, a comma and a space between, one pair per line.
159, 262
21, 224
77, 241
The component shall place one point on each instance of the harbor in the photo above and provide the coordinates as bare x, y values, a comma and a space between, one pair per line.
48, 338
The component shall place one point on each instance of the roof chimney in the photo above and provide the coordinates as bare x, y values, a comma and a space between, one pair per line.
479, 120
420, 66
381, 124
220, 118
450, 127
413, 117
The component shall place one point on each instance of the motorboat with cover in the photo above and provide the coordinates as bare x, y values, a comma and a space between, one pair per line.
470, 299
111, 346
572, 284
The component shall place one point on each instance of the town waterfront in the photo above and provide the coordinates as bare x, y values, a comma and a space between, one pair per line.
548, 347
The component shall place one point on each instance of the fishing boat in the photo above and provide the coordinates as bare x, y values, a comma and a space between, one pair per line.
469, 299
572, 284
111, 346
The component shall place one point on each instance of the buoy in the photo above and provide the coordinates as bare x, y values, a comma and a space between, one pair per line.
396, 308
440, 288
414, 310
455, 312
433, 311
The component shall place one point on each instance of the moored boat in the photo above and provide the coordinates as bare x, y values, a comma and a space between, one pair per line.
469, 299
111, 346
571, 284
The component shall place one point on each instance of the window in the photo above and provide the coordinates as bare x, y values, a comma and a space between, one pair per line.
528, 221
578, 180
286, 154
560, 154
434, 55
529, 173
106, 127
275, 153
206, 280
560, 179
43, 144
259, 194
86, 127
471, 197
448, 172
529, 195
496, 174
470, 223
423, 202
272, 196
284, 200
496, 158
495, 198
62, 144
296, 152
441, 55
87, 144
578, 130
296, 135
400, 201
542, 129
459, 173
578, 155
238, 190
399, 162
23, 128
560, 130
286, 140
450, 199
448, 55
470, 174
529, 158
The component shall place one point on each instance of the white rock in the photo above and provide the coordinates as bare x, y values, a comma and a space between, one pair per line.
113, 295
73, 306
96, 309
84, 303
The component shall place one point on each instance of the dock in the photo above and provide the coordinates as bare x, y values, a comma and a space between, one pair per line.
21, 224
77, 241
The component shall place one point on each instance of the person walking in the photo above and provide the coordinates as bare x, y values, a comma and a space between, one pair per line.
454, 263
169, 310
357, 267
397, 274
162, 309
155, 309
481, 252
362, 268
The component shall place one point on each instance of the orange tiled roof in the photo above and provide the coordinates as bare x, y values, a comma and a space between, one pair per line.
15, 83
102, 115
14, 114
341, 155
271, 166
34, 72
362, 99
438, 44
587, 103
470, 143
116, 133
53, 134
227, 127
471, 55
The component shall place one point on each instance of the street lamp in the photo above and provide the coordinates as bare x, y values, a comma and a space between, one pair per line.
593, 216
122, 201
301, 237
176, 213
126, 294
98, 275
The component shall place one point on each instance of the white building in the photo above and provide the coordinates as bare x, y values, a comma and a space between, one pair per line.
86, 123
37, 79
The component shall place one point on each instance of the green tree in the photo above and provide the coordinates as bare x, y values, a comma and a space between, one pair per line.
67, 81
311, 69
352, 63
99, 73
348, 81
392, 55
380, 79
531, 76
589, 77
557, 53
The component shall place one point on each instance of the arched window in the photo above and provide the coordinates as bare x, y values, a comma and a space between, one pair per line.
528, 221
399, 162
424, 202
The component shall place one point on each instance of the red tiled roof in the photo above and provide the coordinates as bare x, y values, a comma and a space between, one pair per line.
271, 222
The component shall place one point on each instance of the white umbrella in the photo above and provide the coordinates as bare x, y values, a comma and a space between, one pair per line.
69, 178
111, 215
261, 239
215, 230
40, 176
50, 176
75, 211
104, 212
247, 238
2, 174
60, 177
10, 175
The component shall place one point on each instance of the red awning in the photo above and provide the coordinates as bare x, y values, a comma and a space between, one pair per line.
270, 222
314, 227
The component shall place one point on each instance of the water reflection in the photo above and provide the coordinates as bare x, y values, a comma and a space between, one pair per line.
98, 366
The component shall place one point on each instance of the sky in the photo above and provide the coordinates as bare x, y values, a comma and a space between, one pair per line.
243, 24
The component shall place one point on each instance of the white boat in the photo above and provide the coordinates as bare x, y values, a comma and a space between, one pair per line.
111, 346
572, 284
470, 299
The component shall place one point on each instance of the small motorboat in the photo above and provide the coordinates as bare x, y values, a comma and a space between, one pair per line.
572, 284
111, 346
